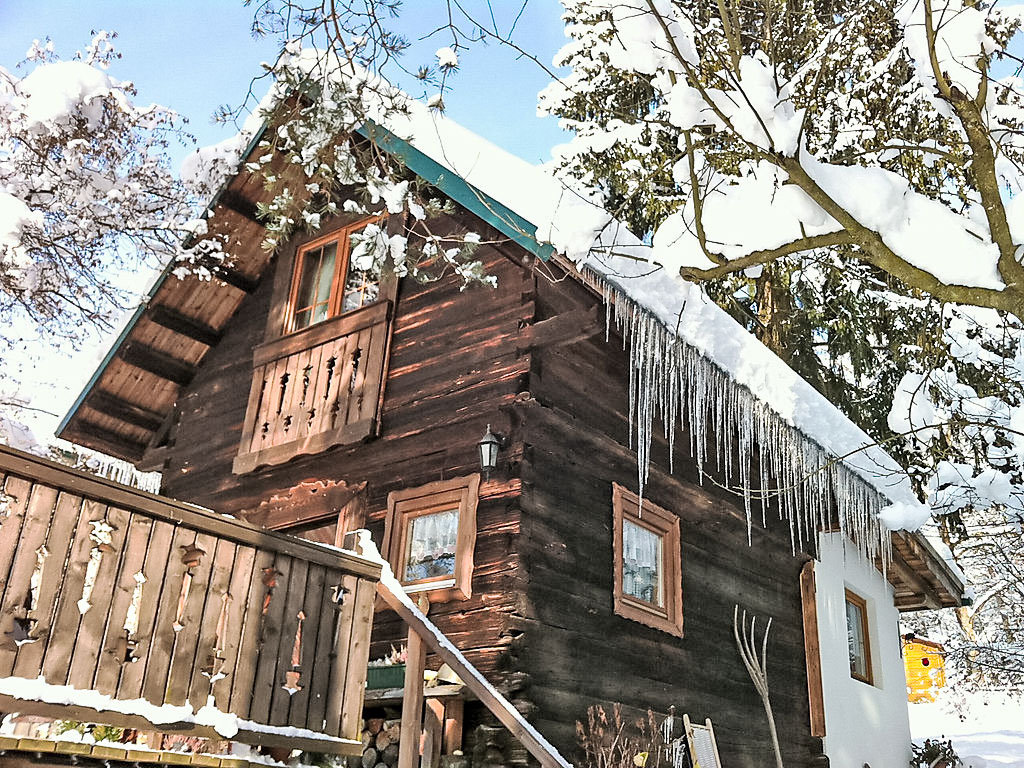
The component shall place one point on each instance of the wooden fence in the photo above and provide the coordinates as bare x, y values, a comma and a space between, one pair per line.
131, 595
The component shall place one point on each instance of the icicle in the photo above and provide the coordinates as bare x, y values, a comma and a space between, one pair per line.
671, 380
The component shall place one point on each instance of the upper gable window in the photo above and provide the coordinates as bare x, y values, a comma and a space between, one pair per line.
647, 578
334, 274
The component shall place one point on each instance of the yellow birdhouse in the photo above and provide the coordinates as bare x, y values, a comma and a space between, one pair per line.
925, 666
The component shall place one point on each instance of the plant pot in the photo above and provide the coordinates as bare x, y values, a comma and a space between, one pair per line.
392, 676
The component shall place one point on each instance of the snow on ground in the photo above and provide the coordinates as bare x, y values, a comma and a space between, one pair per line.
987, 733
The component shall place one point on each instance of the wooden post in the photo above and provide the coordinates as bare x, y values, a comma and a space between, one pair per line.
412, 701
812, 649
453, 710
433, 728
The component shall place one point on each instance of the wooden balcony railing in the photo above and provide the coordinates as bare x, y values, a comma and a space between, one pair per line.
122, 593
315, 388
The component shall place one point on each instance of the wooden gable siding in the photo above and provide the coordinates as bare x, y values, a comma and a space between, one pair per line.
576, 651
454, 366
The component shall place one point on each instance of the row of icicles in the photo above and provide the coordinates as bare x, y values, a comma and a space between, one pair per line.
805, 484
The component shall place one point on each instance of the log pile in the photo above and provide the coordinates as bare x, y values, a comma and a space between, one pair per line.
380, 743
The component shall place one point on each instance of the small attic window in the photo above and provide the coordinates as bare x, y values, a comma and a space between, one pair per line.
335, 274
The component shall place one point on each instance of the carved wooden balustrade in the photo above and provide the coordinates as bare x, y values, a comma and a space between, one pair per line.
315, 388
131, 595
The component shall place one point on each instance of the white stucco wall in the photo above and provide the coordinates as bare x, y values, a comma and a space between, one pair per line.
864, 724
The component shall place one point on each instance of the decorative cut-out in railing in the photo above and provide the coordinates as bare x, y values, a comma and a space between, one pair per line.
102, 540
184, 607
293, 677
315, 388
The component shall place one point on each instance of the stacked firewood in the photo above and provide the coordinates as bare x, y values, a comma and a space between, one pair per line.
380, 743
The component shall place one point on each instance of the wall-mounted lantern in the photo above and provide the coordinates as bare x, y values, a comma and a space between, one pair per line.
488, 447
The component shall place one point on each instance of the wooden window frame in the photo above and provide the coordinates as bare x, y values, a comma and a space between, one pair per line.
626, 505
341, 264
409, 503
862, 604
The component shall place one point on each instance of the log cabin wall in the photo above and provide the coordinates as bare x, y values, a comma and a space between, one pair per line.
454, 368
577, 651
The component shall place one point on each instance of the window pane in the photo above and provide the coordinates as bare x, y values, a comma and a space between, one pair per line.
315, 277
642, 566
430, 552
362, 283
856, 640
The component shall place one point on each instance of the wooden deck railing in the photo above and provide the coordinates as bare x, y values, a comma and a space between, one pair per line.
315, 388
108, 589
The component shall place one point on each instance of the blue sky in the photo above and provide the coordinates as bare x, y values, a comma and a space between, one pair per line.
194, 56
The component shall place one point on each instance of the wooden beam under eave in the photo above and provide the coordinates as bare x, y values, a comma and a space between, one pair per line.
158, 363
238, 203
925, 595
102, 439
122, 410
234, 278
174, 320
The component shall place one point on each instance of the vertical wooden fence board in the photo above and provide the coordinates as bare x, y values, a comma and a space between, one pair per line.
239, 586
114, 646
17, 600
280, 697
319, 683
198, 683
29, 663
158, 660
186, 638
57, 660
82, 667
269, 642
243, 664
158, 554
298, 706
339, 655
358, 651
16, 493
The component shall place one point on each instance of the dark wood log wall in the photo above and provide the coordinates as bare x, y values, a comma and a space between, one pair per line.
577, 652
454, 366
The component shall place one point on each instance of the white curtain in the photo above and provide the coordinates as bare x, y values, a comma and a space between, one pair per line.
431, 550
641, 563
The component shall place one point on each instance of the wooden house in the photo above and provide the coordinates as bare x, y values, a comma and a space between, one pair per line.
316, 412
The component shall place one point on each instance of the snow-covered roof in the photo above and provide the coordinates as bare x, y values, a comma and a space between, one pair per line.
681, 339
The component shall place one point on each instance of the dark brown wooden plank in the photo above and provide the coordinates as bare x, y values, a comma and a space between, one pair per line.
215, 612
156, 362
58, 543
157, 562
91, 628
17, 617
270, 642
67, 615
188, 624
281, 697
243, 670
130, 413
310, 659
115, 644
192, 327
161, 644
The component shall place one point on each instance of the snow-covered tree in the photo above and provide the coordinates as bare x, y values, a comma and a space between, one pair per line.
86, 192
